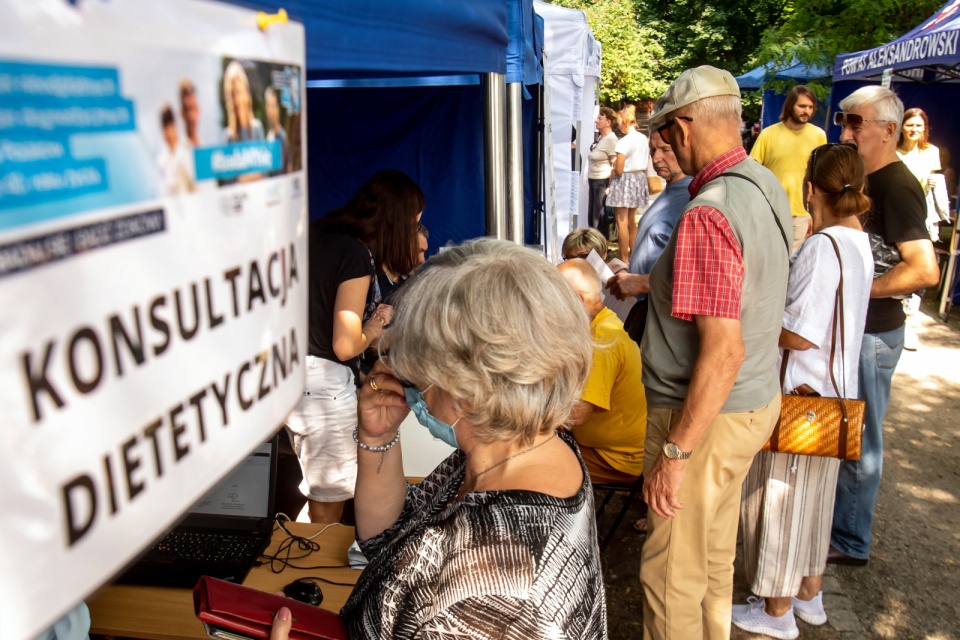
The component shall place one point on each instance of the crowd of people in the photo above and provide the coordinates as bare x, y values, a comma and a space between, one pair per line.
740, 268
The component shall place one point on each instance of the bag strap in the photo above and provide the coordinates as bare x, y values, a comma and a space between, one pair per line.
838, 324
783, 234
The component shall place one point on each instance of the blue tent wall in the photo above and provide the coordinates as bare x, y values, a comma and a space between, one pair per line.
431, 133
402, 91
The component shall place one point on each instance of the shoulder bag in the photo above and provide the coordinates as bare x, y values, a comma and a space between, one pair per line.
816, 426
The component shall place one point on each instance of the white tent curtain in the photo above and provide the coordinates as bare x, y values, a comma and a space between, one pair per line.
572, 68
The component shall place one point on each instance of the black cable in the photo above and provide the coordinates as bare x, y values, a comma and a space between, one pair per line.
284, 556
339, 584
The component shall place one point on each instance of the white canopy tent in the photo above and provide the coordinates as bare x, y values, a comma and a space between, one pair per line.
572, 67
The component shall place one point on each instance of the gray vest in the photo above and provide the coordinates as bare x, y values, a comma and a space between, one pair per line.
670, 346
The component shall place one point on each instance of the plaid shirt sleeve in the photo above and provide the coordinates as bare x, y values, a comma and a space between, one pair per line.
708, 269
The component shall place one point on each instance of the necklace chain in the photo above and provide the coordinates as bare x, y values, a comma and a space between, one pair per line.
511, 457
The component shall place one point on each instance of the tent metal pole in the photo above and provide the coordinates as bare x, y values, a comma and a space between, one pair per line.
494, 153
946, 294
515, 230
539, 205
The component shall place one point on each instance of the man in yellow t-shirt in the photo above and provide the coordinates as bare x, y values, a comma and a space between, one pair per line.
784, 149
610, 420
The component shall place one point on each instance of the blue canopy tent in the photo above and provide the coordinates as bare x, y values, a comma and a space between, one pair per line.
924, 64
398, 84
924, 69
755, 79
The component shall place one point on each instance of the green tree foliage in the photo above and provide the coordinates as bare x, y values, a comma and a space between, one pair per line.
647, 43
722, 33
632, 53
815, 31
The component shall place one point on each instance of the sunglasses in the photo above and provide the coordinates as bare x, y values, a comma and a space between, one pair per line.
664, 129
851, 120
581, 256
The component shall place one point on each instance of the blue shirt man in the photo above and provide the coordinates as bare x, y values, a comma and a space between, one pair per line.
656, 227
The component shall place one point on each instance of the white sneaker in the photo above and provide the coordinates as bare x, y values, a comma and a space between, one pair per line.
751, 617
810, 611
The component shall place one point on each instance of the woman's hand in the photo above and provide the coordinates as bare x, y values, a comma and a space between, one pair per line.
385, 313
382, 406
374, 327
280, 629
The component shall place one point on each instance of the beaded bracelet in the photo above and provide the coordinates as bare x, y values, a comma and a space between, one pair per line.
377, 449
381, 449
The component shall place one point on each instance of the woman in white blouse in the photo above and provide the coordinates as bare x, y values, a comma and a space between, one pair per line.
787, 500
914, 148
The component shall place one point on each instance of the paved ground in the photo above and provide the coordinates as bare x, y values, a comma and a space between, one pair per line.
910, 588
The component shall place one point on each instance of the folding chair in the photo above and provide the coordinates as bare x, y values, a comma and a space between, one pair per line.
632, 490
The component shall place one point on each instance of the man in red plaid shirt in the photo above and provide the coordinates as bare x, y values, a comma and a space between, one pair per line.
709, 353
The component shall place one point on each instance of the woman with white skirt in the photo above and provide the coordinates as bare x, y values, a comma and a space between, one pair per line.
628, 188
787, 500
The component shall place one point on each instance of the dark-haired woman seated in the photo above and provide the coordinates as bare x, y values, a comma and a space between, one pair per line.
499, 541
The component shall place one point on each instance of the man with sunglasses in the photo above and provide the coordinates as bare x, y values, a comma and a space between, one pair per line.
709, 353
784, 148
871, 119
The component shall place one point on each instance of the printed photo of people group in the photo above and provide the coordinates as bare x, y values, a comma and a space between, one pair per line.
259, 101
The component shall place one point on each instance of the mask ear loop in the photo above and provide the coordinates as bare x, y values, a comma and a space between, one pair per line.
459, 417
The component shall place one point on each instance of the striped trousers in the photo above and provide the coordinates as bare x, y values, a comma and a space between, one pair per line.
786, 513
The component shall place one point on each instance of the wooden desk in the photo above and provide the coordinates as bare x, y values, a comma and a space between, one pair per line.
158, 613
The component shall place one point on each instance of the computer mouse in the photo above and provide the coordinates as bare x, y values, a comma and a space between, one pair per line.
304, 590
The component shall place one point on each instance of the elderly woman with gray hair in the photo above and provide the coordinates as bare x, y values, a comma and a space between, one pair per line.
499, 541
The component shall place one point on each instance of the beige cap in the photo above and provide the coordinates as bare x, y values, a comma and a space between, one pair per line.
690, 86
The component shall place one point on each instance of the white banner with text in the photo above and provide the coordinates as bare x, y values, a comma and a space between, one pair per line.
153, 265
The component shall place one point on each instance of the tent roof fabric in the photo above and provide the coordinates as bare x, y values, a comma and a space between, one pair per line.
755, 78
525, 33
387, 38
569, 41
931, 44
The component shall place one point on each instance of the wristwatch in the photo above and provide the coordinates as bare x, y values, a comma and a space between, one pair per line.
673, 452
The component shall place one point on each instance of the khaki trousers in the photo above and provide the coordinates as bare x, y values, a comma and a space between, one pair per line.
687, 562
801, 224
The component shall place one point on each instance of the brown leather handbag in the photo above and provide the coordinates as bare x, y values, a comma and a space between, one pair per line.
816, 426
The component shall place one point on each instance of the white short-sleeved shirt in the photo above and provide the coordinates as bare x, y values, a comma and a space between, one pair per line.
633, 146
811, 294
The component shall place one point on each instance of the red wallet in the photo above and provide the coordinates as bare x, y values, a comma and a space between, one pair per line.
241, 611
